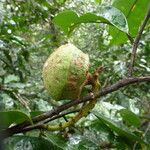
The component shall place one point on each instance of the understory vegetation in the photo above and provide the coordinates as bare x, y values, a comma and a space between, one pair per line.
115, 34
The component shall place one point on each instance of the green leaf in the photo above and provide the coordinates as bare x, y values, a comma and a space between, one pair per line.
134, 12
60, 1
65, 20
130, 118
121, 131
89, 17
68, 20
35, 113
27, 142
57, 140
11, 78
10, 117
115, 17
85, 144
98, 1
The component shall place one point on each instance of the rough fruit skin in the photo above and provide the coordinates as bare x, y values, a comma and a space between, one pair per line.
65, 71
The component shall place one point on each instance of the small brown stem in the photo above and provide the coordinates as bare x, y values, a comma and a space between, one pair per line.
136, 42
41, 125
22, 101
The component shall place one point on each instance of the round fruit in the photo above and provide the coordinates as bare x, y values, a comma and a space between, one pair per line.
65, 71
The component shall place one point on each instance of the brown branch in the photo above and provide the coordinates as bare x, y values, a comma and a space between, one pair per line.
41, 125
136, 41
120, 84
60, 115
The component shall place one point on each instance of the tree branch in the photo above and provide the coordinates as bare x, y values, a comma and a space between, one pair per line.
41, 125
136, 41
55, 112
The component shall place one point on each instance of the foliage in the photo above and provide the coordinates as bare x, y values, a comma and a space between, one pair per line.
67, 20
131, 10
31, 30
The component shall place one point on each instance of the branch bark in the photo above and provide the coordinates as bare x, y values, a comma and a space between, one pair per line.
41, 125
53, 113
136, 42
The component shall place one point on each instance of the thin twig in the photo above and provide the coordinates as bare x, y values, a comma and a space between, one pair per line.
55, 112
136, 41
41, 125
61, 115
22, 101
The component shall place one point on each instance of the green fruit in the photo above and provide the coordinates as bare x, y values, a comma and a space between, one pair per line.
65, 71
